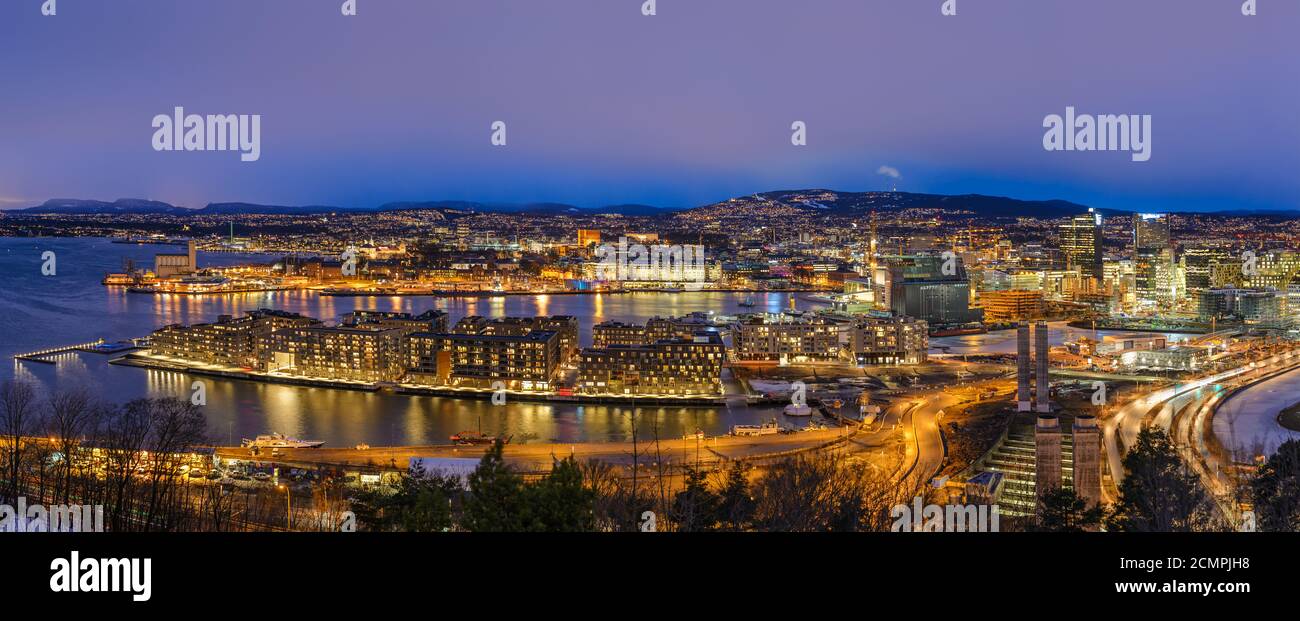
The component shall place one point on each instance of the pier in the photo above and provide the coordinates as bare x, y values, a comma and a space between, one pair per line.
40, 356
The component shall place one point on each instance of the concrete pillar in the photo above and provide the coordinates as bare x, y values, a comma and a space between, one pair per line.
1047, 455
1087, 459
1023, 399
1041, 355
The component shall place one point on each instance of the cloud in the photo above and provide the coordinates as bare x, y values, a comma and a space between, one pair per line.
888, 171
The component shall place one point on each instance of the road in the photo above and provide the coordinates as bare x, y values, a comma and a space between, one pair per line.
1129, 420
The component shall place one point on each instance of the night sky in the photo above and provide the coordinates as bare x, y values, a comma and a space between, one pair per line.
693, 105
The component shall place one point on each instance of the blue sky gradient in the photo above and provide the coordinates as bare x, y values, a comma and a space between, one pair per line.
690, 106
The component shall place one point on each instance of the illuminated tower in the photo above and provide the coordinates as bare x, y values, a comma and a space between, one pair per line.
1081, 243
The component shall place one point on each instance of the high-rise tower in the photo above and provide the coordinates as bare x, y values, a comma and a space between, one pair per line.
1081, 243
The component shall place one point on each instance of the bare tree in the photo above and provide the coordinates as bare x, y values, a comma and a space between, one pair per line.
19, 417
71, 415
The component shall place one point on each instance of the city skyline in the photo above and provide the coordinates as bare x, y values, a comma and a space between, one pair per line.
349, 119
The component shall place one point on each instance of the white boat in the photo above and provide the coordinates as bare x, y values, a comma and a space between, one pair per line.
768, 428
799, 409
276, 440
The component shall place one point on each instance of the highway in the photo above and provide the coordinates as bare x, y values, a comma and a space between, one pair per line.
1184, 410
1129, 420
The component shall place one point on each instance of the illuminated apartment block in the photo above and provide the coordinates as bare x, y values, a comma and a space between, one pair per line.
429, 321
245, 342
527, 361
678, 367
787, 340
899, 340
565, 327
617, 333
354, 353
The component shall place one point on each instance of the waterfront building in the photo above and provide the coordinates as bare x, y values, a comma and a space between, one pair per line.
786, 339
523, 362
617, 333
889, 340
245, 342
168, 265
932, 288
685, 326
352, 353
1177, 358
565, 327
430, 321
470, 324
678, 366
1011, 305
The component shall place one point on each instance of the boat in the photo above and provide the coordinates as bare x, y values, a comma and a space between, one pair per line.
477, 437
766, 429
748, 302
963, 330
276, 440
798, 409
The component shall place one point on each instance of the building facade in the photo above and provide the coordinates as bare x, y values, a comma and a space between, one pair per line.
671, 367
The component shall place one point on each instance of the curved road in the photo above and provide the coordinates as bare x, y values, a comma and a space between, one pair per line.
1130, 419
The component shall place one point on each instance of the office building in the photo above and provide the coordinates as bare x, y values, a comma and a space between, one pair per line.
1081, 243
932, 288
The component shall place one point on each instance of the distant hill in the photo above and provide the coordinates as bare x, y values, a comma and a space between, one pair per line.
73, 206
831, 202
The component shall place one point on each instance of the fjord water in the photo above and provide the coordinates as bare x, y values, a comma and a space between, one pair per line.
39, 312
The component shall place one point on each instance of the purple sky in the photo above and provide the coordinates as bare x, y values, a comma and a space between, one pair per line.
690, 106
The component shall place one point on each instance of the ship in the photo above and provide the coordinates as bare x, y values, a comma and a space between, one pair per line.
748, 302
964, 330
477, 437
766, 429
276, 440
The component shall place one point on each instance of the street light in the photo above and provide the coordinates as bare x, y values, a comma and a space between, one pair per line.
288, 499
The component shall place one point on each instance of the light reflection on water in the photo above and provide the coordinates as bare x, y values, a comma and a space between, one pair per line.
38, 312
